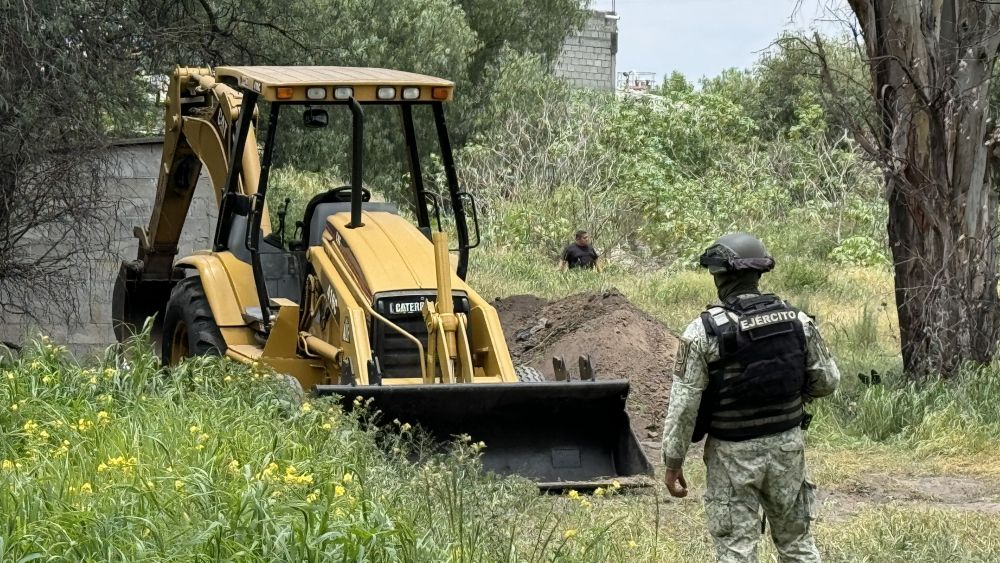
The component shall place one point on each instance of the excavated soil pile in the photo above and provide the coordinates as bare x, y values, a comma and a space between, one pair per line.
623, 343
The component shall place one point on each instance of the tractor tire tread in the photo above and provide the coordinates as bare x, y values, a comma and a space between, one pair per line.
528, 374
189, 304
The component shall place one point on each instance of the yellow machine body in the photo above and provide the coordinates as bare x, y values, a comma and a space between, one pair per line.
366, 303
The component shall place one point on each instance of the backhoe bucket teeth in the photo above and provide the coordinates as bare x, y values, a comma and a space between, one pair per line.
560, 435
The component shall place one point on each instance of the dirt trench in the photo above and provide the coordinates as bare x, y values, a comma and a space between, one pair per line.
623, 343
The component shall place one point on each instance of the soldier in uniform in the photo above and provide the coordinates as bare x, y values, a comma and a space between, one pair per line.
744, 372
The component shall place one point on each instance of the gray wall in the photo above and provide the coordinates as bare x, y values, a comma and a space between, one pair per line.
132, 185
588, 57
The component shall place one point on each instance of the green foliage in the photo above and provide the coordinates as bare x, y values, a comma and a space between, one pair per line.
860, 251
785, 92
217, 460
668, 172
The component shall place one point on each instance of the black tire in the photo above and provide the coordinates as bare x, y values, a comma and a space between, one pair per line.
189, 327
528, 374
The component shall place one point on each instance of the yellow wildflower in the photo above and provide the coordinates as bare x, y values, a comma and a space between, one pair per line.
43, 435
102, 417
234, 466
228, 378
120, 463
616, 485
339, 491
599, 492
200, 447
93, 380
313, 496
178, 485
632, 545
348, 478
7, 465
203, 437
30, 426
585, 503
292, 477
47, 379
405, 427
573, 494
86, 488
306, 407
569, 533
36, 365
327, 426
110, 373
194, 429
13, 407
150, 485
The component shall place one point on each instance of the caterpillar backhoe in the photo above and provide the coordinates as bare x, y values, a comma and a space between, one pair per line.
359, 302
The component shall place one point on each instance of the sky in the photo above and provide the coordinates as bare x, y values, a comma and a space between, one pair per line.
703, 37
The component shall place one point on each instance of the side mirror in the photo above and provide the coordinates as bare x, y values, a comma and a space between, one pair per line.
315, 118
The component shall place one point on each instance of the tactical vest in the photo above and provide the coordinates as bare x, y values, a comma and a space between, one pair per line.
755, 387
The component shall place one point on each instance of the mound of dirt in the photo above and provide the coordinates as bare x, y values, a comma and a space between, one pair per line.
623, 343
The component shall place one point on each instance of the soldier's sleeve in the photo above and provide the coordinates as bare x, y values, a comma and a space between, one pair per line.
689, 381
822, 374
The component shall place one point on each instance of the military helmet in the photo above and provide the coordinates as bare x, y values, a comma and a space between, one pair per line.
736, 252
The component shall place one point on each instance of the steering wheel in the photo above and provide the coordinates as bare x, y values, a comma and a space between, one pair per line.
343, 194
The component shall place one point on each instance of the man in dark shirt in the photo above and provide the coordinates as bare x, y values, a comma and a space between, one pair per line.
580, 254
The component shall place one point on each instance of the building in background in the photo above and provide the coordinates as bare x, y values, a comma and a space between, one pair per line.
131, 184
588, 57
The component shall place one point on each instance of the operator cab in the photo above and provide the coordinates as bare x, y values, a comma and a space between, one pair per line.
278, 258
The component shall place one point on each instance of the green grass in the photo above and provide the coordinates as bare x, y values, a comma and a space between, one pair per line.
119, 460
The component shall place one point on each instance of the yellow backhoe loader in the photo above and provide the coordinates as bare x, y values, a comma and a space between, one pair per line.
363, 302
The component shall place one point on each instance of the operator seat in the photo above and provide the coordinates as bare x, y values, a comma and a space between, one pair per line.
328, 203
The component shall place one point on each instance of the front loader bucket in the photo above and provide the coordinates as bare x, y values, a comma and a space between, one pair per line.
558, 434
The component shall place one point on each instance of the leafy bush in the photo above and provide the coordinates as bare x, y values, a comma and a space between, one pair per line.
860, 251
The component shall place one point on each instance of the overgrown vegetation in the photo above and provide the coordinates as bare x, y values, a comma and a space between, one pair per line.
122, 460
118, 459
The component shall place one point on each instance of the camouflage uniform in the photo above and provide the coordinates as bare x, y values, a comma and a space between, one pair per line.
742, 477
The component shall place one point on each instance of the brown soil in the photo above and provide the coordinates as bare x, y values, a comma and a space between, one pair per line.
623, 343
961, 493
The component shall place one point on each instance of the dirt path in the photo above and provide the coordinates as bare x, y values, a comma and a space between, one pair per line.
961, 493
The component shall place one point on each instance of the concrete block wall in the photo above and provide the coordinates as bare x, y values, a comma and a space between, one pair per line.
588, 58
131, 186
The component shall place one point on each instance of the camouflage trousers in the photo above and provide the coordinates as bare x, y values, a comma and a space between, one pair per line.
768, 473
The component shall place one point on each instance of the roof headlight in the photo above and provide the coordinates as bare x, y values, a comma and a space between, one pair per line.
343, 93
411, 93
386, 93
315, 93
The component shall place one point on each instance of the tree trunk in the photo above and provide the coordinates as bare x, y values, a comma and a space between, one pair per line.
932, 63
